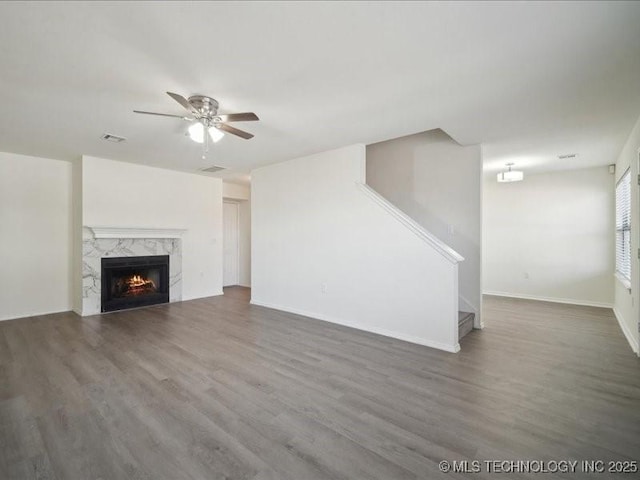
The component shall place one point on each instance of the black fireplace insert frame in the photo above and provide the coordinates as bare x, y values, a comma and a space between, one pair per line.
111, 265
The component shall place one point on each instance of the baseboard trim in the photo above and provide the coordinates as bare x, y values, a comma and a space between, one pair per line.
31, 315
568, 301
214, 294
379, 331
635, 346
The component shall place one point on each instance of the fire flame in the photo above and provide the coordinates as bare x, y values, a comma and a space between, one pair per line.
137, 281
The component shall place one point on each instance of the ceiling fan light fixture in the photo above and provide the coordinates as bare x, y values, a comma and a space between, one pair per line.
207, 126
510, 175
196, 132
216, 134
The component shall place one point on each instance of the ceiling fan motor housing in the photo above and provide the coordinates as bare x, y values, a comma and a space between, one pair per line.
206, 105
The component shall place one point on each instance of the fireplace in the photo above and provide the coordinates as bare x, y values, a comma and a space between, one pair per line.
129, 282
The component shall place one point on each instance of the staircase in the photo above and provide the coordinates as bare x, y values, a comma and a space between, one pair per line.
465, 323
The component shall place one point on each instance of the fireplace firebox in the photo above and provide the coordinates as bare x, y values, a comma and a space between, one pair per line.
129, 282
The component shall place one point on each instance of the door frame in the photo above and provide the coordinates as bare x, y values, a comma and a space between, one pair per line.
237, 245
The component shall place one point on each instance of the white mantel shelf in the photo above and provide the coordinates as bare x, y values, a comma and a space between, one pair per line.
134, 232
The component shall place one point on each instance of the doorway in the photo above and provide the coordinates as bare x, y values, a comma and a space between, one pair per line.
231, 236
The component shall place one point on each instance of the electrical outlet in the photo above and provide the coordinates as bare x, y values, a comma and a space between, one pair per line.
526, 275
323, 288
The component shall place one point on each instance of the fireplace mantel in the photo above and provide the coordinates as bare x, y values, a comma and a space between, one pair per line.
134, 232
101, 242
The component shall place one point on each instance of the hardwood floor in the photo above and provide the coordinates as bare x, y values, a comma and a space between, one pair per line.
219, 389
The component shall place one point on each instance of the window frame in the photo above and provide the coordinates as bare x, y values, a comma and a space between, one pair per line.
623, 229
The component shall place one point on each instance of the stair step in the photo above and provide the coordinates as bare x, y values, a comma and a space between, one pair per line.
465, 323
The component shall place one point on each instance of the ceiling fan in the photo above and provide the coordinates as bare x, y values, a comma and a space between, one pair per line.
203, 112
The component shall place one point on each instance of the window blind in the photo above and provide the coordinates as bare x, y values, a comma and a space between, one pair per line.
623, 226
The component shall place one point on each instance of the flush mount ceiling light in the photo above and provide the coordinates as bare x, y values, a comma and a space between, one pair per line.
510, 175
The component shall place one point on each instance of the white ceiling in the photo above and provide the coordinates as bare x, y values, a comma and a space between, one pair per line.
528, 80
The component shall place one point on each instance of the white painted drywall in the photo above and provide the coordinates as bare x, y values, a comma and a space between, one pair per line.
242, 195
35, 236
76, 225
127, 195
437, 182
550, 237
323, 248
236, 191
626, 302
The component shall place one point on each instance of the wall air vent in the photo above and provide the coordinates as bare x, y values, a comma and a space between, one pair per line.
213, 168
567, 156
112, 138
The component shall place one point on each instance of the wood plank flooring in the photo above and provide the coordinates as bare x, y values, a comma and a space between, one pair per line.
219, 389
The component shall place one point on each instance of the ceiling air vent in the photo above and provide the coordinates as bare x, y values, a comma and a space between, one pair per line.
567, 156
112, 138
214, 168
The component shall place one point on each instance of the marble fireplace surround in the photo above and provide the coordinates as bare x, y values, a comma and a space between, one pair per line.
99, 242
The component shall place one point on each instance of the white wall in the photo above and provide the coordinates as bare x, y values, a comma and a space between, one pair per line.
438, 183
242, 195
626, 302
123, 194
550, 237
76, 221
35, 236
236, 191
323, 248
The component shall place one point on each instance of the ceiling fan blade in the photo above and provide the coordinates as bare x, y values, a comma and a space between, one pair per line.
182, 101
163, 115
239, 117
235, 131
